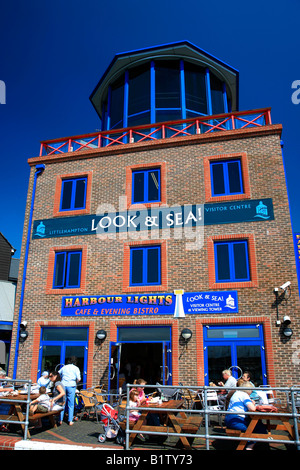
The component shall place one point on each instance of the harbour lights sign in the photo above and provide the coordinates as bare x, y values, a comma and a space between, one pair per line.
150, 304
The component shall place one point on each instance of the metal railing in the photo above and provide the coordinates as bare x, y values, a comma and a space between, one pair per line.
11, 400
153, 132
206, 412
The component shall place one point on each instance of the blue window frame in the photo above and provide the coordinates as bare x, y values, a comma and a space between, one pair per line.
67, 269
238, 346
73, 194
232, 261
146, 186
226, 178
145, 266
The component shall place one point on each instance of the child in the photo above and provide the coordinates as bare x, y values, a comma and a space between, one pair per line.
40, 404
134, 415
134, 401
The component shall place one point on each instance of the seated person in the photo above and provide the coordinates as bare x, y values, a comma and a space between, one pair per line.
240, 403
44, 380
41, 404
230, 381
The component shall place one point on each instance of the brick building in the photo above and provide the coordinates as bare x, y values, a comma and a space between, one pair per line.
156, 244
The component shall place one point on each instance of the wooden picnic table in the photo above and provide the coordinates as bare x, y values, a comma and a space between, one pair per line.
279, 423
15, 413
173, 422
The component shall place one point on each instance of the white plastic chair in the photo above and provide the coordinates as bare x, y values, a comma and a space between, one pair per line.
269, 394
212, 403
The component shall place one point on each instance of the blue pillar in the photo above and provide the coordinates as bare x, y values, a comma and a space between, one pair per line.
152, 92
208, 92
182, 90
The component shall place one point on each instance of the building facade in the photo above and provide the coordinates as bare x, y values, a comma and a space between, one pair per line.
157, 247
9, 267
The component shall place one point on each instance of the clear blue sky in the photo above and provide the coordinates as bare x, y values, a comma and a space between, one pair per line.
52, 55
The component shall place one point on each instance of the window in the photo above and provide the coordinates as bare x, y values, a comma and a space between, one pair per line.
145, 266
226, 178
73, 194
146, 186
232, 261
67, 269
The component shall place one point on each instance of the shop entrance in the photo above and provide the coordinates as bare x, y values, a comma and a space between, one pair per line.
143, 352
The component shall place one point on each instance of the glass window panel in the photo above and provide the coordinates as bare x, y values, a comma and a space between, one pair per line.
218, 178
219, 358
74, 261
167, 84
234, 177
249, 359
136, 266
240, 260
59, 273
64, 334
139, 120
223, 267
216, 95
80, 194
144, 334
50, 357
231, 333
153, 266
117, 104
195, 88
139, 90
66, 195
168, 115
138, 187
153, 185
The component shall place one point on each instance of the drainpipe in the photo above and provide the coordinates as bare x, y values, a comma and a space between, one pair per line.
39, 169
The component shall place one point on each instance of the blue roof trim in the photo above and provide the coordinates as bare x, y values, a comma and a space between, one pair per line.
164, 46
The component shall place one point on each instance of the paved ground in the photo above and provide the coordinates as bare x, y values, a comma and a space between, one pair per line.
86, 432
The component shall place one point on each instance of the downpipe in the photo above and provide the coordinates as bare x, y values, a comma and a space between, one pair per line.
38, 170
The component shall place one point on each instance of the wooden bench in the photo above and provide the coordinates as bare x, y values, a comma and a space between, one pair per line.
50, 414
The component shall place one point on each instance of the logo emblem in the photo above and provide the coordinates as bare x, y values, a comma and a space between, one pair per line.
40, 230
262, 211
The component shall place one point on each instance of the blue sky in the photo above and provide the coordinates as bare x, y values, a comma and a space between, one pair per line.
52, 55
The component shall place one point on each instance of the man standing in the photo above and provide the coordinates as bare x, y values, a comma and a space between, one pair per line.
70, 374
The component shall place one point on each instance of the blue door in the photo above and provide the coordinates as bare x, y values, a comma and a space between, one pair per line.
239, 348
58, 344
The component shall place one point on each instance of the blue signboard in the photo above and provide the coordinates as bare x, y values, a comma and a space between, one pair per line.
148, 304
210, 302
189, 215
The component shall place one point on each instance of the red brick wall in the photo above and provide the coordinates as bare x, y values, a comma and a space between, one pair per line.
184, 163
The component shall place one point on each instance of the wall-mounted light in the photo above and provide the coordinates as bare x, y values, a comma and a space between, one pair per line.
186, 334
23, 335
287, 332
101, 335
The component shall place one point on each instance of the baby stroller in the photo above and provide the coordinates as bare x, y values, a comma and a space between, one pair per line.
112, 429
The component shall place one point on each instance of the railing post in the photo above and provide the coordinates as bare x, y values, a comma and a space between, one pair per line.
232, 122
294, 411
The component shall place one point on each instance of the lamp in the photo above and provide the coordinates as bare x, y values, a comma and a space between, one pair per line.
186, 334
287, 332
101, 335
23, 335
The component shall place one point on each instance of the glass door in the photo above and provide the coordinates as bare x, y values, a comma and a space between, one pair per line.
114, 367
239, 348
59, 344
166, 367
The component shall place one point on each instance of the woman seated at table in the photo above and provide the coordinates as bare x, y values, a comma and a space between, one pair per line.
240, 403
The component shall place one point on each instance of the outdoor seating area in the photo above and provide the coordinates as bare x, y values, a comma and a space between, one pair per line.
190, 418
